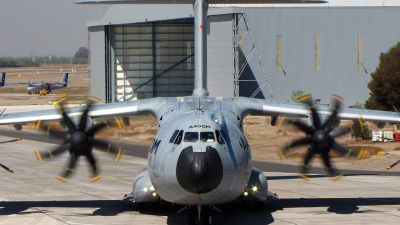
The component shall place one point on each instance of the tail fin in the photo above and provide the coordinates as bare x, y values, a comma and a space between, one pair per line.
64, 79
2, 79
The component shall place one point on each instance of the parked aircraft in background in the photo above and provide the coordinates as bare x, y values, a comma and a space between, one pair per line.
199, 157
2, 79
45, 88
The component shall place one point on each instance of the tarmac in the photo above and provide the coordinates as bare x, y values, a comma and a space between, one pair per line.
31, 195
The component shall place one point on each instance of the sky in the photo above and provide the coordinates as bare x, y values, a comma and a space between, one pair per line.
45, 27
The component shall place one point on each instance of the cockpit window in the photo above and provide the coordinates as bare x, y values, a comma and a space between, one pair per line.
207, 136
220, 139
191, 137
174, 136
178, 139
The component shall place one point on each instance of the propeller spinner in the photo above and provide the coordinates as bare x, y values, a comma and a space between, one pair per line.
320, 138
79, 141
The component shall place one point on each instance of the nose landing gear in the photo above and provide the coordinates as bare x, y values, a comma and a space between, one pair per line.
199, 216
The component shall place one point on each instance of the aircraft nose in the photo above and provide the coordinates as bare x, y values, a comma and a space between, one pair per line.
199, 172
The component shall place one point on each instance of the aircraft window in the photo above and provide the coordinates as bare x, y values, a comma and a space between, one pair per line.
220, 139
174, 136
191, 136
207, 136
178, 140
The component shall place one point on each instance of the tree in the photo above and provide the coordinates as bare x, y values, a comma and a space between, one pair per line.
385, 83
82, 52
359, 129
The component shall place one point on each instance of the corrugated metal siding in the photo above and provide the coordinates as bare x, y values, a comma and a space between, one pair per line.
220, 55
144, 51
338, 29
97, 62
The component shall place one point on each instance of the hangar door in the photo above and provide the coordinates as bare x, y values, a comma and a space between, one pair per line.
153, 60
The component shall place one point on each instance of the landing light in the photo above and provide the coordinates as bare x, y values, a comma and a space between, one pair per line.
154, 194
255, 188
245, 193
145, 189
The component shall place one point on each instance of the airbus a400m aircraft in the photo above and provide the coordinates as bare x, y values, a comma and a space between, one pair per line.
199, 156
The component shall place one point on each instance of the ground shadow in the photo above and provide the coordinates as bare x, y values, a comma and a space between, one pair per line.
232, 213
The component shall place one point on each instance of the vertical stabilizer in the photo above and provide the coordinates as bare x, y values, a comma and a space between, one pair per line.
200, 48
2, 79
64, 79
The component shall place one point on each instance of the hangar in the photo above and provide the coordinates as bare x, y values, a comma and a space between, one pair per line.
261, 51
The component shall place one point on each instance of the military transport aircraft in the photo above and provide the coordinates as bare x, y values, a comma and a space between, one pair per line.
2, 79
48, 87
200, 156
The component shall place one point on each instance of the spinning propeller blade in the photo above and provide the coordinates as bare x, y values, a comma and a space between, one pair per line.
320, 138
78, 140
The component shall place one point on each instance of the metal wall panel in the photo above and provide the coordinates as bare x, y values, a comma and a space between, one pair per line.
338, 29
220, 55
97, 62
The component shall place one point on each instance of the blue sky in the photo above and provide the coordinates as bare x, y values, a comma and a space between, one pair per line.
44, 27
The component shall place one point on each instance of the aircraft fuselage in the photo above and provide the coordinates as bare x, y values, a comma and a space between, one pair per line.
201, 158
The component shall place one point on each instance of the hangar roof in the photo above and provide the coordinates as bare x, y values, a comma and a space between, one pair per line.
331, 3
141, 13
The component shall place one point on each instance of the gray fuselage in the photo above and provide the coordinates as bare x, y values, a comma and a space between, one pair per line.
201, 157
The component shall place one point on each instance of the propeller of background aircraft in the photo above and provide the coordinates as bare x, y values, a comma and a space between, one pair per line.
6, 168
320, 138
78, 140
2, 165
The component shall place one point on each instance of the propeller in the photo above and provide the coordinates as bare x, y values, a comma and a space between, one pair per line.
320, 138
78, 141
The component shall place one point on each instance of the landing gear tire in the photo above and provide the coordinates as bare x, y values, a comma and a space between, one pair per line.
192, 217
140, 205
245, 205
206, 218
155, 205
259, 205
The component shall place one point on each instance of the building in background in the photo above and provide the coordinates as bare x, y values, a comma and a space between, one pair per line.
267, 51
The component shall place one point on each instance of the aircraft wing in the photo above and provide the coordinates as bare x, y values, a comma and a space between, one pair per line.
191, 1
128, 108
276, 108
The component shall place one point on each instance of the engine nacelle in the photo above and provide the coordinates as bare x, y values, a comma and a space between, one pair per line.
143, 190
337, 123
127, 121
381, 125
257, 188
62, 124
17, 126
